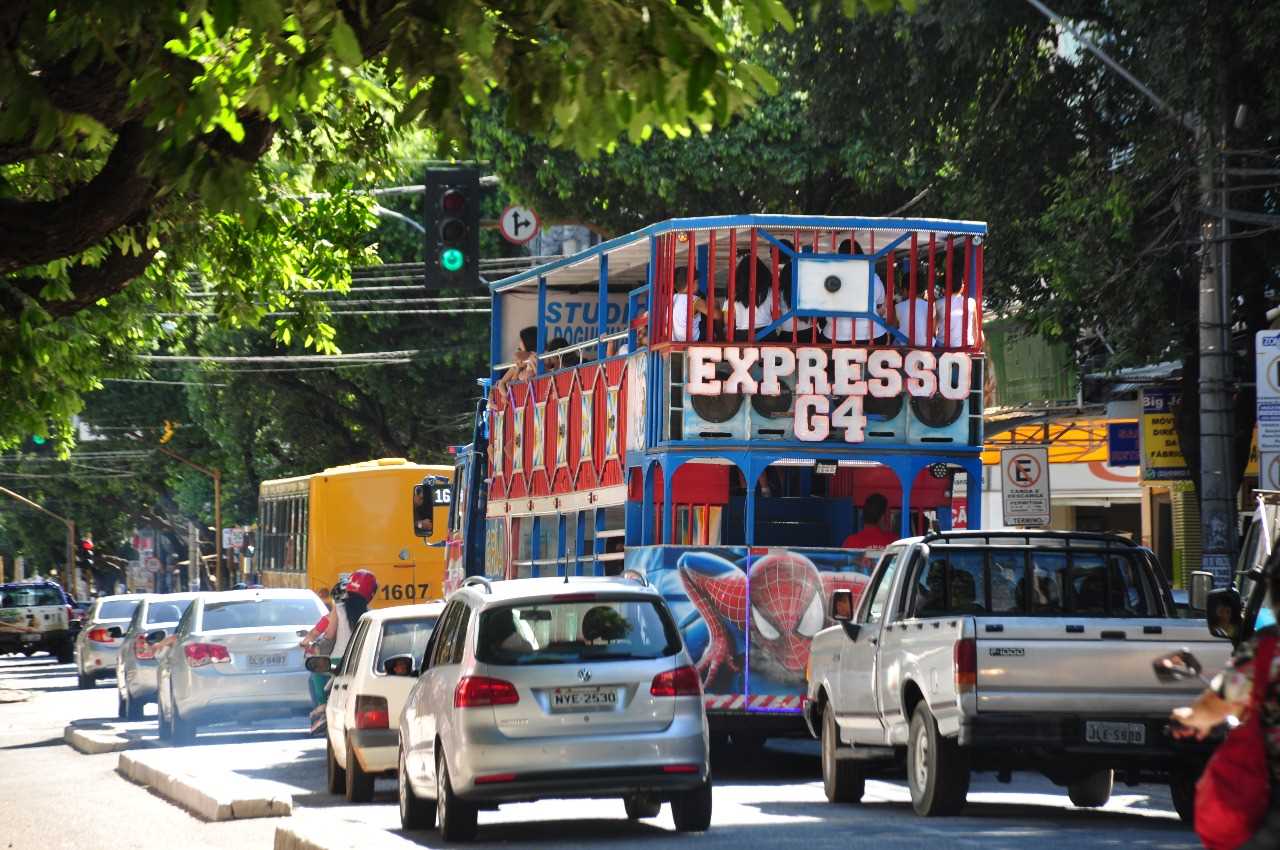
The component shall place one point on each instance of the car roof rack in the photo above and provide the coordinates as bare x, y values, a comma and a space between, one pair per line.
1029, 537
478, 581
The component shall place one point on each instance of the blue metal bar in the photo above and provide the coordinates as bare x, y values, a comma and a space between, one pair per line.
602, 323
495, 333
781, 222
542, 320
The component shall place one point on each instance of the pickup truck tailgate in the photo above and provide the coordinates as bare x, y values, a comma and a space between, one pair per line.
1036, 664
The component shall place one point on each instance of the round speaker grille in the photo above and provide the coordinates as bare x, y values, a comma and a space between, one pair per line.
936, 411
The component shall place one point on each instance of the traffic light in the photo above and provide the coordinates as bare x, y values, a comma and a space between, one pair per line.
168, 432
452, 221
38, 444
84, 555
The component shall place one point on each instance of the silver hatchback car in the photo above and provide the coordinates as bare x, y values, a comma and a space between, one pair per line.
540, 688
235, 657
102, 635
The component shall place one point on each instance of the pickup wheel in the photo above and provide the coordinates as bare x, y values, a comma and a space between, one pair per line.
1093, 790
937, 768
1182, 788
842, 780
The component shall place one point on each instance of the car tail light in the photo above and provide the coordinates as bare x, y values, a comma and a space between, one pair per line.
142, 650
481, 691
71, 614
680, 768
200, 654
372, 712
680, 682
100, 635
966, 662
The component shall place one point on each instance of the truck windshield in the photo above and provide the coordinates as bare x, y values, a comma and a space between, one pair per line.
29, 597
574, 632
972, 580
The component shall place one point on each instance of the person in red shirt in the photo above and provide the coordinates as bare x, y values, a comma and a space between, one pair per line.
875, 533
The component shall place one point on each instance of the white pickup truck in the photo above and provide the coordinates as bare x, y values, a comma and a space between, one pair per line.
1002, 651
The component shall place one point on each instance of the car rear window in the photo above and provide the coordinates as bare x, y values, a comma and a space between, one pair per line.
973, 580
168, 611
29, 597
404, 637
119, 609
567, 632
257, 613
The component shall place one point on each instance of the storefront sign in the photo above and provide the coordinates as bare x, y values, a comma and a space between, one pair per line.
1162, 458
856, 373
1267, 360
1124, 444
1024, 483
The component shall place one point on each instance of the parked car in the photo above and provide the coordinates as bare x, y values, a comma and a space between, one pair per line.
546, 688
234, 656
1003, 651
34, 617
136, 671
368, 693
102, 635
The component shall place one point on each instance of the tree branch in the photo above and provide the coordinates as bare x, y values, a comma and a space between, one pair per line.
34, 232
88, 284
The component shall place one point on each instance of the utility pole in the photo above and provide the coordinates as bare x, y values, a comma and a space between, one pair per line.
216, 475
71, 538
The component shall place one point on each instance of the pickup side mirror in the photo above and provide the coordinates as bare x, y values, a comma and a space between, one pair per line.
1225, 612
155, 637
842, 605
1198, 593
399, 665
319, 664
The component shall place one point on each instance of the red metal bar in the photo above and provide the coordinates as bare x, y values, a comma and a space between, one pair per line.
733, 279
946, 301
813, 322
933, 288
751, 289
911, 290
965, 288
977, 297
689, 278
777, 286
711, 287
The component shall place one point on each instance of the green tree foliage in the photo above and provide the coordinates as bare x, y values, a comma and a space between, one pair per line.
167, 140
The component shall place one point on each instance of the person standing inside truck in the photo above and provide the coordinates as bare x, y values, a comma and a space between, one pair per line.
875, 533
1229, 696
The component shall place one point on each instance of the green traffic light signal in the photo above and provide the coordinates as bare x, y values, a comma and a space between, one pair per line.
38, 440
451, 259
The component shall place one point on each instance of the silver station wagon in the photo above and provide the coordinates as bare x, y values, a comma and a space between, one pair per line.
541, 688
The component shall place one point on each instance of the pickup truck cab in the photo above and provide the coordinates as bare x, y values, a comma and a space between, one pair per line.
1002, 651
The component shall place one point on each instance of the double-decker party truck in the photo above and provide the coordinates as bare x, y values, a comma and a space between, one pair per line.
741, 411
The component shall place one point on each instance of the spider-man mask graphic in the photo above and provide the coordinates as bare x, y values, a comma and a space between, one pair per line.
787, 604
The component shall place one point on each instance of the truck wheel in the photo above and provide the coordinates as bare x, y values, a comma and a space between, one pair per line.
937, 768
359, 784
336, 776
641, 806
691, 810
1182, 788
1092, 791
415, 812
842, 780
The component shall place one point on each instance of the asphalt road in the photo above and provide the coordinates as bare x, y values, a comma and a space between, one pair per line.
57, 798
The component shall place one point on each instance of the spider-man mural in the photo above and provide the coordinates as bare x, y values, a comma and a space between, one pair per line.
787, 605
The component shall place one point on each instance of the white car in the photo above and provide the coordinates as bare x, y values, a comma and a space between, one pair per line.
102, 635
368, 694
551, 689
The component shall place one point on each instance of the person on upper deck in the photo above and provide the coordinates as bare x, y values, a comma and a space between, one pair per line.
681, 310
561, 360
875, 533
526, 364
742, 324
915, 309
963, 314
858, 330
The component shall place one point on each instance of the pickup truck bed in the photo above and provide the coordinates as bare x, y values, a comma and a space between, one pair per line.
1058, 679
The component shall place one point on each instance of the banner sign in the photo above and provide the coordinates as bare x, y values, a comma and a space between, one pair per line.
1267, 359
854, 374
1124, 441
1162, 458
572, 316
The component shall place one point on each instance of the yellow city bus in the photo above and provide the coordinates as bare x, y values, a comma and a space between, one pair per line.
313, 528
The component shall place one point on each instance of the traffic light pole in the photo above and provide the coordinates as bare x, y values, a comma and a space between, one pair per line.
216, 474
71, 537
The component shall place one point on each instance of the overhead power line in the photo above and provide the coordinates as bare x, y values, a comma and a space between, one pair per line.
362, 357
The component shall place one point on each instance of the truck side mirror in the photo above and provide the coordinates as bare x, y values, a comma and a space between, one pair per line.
433, 491
1198, 593
1225, 612
842, 605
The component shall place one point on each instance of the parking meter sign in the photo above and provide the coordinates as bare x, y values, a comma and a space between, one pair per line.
1024, 482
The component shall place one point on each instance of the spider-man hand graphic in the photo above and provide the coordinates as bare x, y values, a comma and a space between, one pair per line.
788, 603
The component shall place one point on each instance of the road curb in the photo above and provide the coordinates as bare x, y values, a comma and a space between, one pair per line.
214, 799
12, 695
327, 834
93, 743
